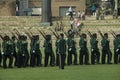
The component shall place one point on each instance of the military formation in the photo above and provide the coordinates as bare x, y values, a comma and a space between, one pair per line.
16, 49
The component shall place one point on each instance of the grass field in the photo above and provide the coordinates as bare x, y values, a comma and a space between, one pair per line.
77, 72
84, 72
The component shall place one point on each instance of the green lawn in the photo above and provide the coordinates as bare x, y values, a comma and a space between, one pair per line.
84, 72
78, 72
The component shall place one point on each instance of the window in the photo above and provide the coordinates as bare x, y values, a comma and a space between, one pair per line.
63, 10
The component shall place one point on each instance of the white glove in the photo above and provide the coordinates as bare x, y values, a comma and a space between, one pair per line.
2, 53
23, 54
117, 50
12, 53
70, 49
41, 46
92, 49
33, 51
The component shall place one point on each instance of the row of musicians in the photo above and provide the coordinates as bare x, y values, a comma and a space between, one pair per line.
22, 53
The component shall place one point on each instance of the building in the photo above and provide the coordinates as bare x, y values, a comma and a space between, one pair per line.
7, 7
59, 7
33, 7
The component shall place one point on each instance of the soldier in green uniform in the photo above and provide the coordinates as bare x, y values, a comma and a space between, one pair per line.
57, 51
83, 50
48, 51
116, 43
106, 49
35, 51
22, 55
14, 50
62, 51
95, 54
0, 55
71, 49
19, 51
25, 50
7, 51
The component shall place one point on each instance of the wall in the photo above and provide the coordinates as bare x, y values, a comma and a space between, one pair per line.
80, 5
7, 8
